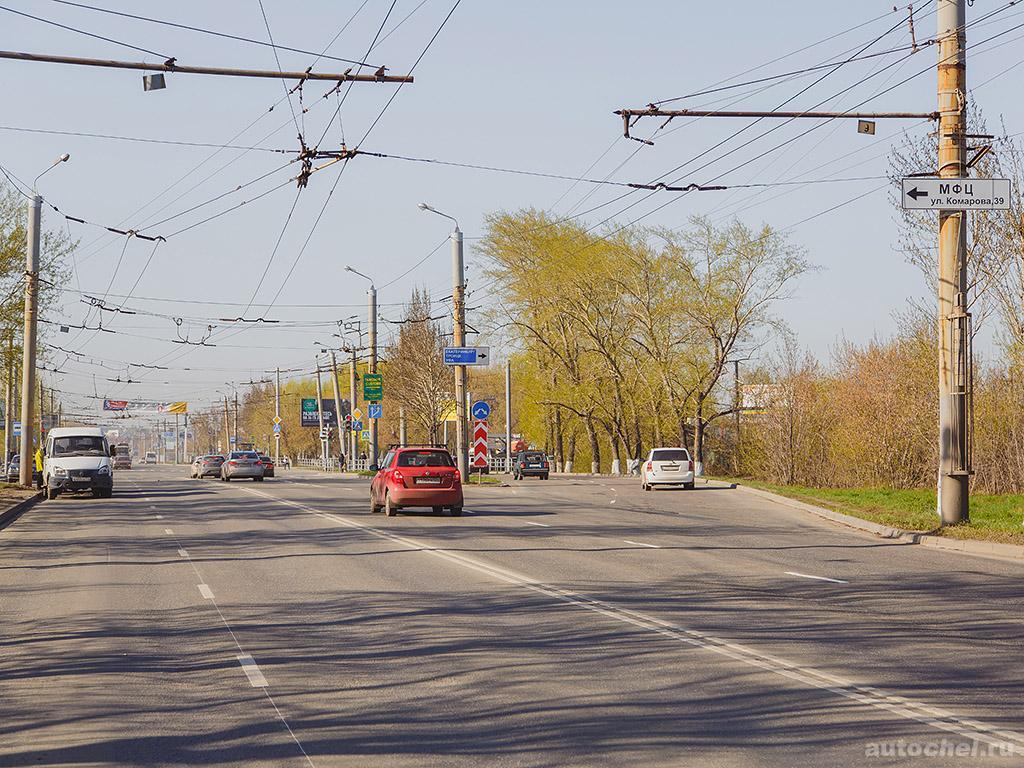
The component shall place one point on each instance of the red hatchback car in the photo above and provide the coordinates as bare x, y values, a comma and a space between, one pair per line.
417, 477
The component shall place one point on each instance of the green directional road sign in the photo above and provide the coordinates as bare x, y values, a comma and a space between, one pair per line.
373, 386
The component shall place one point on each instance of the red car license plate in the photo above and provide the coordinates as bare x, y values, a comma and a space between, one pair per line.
428, 481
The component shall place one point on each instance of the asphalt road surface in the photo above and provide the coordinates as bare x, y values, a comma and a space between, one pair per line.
572, 622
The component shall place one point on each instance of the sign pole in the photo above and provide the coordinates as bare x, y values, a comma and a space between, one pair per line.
371, 308
354, 394
320, 415
337, 405
508, 415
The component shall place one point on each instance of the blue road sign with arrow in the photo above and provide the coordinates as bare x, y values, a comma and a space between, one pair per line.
375, 410
480, 410
467, 355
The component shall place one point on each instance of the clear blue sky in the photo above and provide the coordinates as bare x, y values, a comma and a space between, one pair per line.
525, 85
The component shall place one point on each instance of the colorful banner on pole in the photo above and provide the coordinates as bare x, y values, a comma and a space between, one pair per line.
144, 406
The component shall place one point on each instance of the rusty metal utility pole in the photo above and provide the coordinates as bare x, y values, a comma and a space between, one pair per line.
954, 321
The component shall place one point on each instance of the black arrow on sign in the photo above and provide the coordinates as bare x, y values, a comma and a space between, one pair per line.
916, 193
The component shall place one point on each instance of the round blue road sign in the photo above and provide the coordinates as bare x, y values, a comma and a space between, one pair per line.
480, 410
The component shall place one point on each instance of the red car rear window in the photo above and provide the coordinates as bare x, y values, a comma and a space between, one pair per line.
425, 459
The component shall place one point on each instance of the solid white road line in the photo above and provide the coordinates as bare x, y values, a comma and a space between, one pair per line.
933, 717
816, 578
205, 591
182, 552
252, 670
542, 525
641, 544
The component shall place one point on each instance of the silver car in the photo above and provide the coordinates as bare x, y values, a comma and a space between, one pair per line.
242, 464
667, 466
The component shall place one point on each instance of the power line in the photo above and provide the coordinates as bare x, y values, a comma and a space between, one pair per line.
141, 140
215, 33
87, 34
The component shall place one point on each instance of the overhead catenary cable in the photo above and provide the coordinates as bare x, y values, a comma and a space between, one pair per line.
226, 35
88, 34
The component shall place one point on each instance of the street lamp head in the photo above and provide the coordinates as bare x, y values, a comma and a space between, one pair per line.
62, 159
424, 207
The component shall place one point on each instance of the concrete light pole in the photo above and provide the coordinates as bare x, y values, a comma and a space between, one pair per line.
954, 320
458, 340
28, 365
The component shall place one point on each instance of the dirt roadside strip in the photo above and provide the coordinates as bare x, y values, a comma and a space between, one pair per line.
13, 511
963, 546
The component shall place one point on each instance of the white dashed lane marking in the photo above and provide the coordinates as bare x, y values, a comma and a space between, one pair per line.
205, 591
182, 552
641, 544
542, 525
252, 670
816, 578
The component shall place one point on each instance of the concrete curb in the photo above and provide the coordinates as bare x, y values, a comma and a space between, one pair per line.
11, 514
990, 549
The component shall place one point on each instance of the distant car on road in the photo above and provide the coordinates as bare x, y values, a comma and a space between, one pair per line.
241, 465
530, 464
667, 466
150, 458
14, 469
417, 477
268, 465
206, 466
122, 456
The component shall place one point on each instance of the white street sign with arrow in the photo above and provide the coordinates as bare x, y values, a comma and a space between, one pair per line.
931, 194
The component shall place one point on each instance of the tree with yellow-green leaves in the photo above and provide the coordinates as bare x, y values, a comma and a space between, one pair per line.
630, 332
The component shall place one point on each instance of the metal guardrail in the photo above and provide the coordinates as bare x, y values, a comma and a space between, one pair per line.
332, 464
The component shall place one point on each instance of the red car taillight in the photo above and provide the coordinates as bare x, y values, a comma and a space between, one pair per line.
543, 465
650, 466
399, 477
458, 476
232, 462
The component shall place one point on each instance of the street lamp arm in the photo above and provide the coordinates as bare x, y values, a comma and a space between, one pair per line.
431, 209
365, 277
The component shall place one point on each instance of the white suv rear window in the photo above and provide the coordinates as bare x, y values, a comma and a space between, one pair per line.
671, 454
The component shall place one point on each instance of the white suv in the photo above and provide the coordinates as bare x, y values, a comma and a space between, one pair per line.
667, 466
